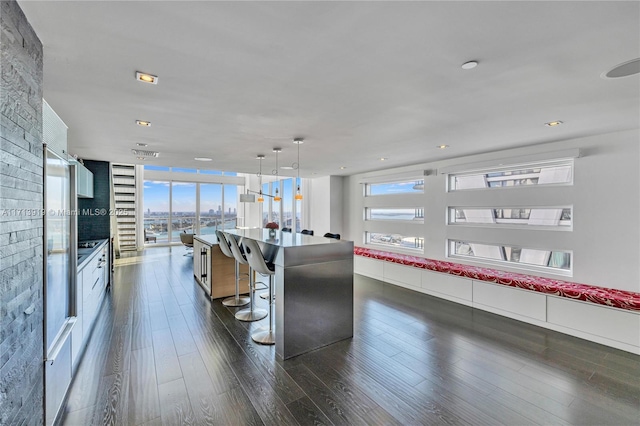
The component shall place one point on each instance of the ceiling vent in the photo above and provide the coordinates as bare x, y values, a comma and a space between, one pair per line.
145, 153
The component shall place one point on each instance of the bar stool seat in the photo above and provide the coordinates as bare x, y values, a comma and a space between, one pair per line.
259, 264
236, 300
249, 314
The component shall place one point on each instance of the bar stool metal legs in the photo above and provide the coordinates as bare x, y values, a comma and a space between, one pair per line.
259, 264
267, 337
251, 314
235, 300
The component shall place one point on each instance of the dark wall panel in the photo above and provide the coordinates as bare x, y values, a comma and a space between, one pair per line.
93, 219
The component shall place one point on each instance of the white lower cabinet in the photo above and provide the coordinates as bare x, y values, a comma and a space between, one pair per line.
91, 284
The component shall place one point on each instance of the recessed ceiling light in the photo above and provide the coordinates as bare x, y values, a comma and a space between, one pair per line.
553, 123
469, 65
146, 78
143, 123
203, 159
342, 167
383, 158
442, 146
624, 69
142, 144
145, 153
140, 158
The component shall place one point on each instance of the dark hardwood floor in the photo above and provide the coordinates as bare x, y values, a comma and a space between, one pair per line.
163, 353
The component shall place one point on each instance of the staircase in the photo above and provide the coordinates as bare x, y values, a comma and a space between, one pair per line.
124, 194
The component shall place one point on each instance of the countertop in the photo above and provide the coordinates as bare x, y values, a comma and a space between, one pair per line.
283, 239
84, 254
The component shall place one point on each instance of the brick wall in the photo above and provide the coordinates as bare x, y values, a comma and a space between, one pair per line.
21, 284
95, 227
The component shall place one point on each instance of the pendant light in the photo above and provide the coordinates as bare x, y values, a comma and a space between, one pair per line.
298, 141
276, 197
260, 197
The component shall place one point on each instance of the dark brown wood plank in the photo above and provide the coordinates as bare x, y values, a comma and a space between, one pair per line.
339, 369
141, 335
158, 316
307, 413
112, 403
174, 404
182, 338
165, 357
238, 408
207, 407
262, 396
144, 404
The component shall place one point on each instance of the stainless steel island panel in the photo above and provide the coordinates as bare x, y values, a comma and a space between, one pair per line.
313, 288
314, 306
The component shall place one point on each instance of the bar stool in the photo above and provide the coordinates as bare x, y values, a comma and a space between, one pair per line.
236, 300
307, 232
330, 235
249, 314
258, 263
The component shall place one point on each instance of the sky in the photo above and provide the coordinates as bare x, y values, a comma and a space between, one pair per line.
156, 196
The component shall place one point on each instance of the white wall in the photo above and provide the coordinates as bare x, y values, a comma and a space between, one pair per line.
605, 239
325, 205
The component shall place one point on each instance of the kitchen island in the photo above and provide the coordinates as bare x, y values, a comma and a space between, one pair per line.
214, 271
313, 288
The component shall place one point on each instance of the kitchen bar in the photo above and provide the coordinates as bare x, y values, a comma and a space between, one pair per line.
313, 288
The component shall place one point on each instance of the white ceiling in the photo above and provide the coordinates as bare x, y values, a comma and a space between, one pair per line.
357, 80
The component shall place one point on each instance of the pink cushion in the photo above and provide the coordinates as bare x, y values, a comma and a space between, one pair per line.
622, 299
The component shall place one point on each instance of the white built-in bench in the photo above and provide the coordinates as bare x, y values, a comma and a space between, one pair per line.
603, 315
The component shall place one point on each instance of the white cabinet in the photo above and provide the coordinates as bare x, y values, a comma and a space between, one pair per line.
92, 280
77, 334
84, 181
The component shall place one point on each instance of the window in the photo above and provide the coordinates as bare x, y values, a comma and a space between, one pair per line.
230, 213
527, 216
556, 260
266, 204
275, 205
210, 207
394, 240
560, 172
210, 172
404, 187
180, 170
287, 204
415, 214
183, 211
156, 211
159, 168
395, 218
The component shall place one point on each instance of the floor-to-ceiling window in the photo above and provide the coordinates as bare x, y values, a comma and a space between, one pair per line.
188, 200
156, 211
266, 205
210, 207
230, 213
275, 205
183, 209
287, 204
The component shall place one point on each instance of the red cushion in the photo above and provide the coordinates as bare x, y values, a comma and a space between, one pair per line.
622, 299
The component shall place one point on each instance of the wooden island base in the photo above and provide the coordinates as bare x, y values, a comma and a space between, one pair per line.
214, 271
